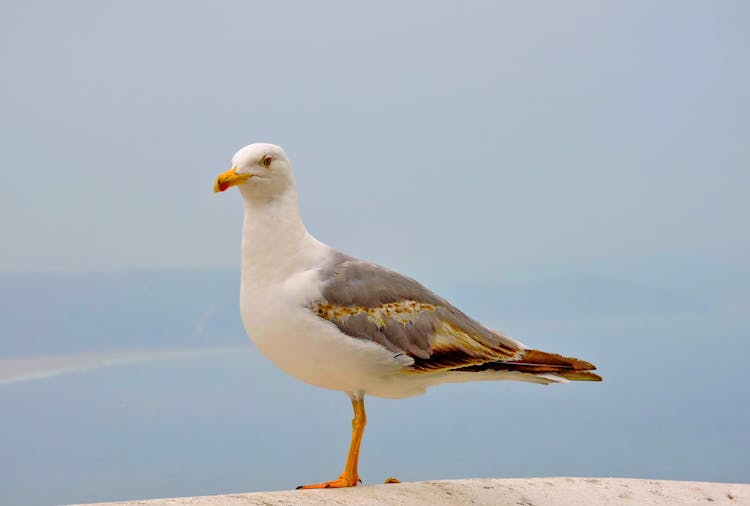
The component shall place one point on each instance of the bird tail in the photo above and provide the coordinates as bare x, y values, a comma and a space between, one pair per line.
574, 369
544, 365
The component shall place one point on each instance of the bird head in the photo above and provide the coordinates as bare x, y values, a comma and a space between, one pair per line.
260, 171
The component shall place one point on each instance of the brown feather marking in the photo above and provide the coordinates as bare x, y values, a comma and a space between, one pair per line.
539, 362
580, 376
445, 359
404, 312
536, 358
454, 349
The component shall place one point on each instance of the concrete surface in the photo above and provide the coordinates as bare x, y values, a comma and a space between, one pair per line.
517, 492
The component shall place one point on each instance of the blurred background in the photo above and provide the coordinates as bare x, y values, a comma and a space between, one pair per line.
574, 174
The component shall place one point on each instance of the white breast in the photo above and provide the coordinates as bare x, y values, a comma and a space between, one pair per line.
306, 346
281, 263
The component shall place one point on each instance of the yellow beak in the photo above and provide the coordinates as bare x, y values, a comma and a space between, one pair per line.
230, 178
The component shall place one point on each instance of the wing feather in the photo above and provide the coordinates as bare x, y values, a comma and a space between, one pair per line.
366, 301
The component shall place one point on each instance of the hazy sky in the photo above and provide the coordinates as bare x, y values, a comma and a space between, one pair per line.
454, 141
423, 136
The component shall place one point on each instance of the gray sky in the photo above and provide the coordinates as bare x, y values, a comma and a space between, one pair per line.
431, 137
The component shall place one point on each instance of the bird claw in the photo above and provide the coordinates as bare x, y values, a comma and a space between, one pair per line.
341, 482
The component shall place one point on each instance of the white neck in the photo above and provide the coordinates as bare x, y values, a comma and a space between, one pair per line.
275, 242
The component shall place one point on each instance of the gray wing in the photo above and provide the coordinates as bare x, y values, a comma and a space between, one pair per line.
366, 301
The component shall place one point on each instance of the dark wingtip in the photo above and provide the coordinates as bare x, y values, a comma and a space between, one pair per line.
580, 376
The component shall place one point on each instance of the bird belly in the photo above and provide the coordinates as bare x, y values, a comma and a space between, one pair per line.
314, 351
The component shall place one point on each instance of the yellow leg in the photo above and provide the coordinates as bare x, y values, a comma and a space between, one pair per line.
350, 477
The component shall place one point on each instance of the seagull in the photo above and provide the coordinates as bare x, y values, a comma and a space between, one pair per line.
341, 323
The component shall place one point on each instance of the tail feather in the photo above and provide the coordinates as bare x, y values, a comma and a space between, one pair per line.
542, 363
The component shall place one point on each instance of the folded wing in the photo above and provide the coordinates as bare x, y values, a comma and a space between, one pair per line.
366, 301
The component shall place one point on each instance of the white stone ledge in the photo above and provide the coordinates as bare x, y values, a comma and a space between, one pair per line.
520, 492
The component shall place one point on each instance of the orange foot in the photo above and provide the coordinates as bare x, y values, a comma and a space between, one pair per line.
341, 482
392, 480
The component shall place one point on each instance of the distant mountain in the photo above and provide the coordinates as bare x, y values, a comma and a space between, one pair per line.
45, 313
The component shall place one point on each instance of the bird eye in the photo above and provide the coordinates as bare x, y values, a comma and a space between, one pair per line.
267, 161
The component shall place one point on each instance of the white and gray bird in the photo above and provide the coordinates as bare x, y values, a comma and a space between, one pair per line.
337, 322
